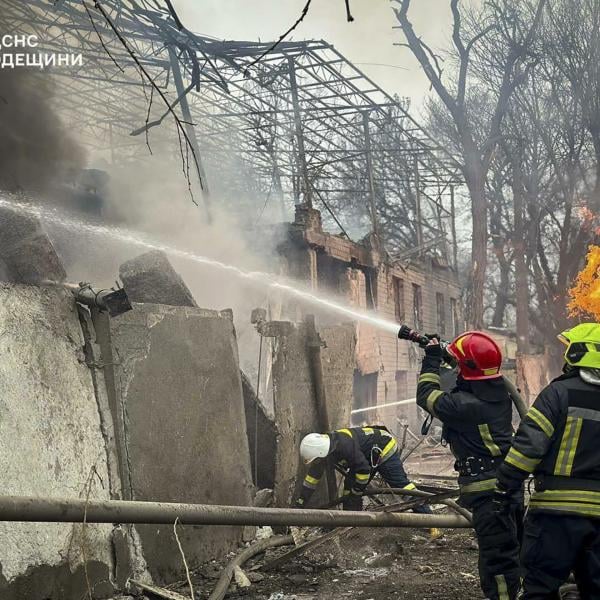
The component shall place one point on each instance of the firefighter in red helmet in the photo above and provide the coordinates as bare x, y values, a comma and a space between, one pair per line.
477, 419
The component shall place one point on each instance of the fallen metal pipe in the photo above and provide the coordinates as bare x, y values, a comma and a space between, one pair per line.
66, 510
425, 498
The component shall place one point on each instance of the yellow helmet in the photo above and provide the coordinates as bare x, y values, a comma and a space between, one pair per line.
583, 345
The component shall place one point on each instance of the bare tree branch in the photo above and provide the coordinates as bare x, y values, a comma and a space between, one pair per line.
282, 36
179, 125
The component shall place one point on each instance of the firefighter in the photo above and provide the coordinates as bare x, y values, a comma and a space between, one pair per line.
477, 419
359, 452
558, 442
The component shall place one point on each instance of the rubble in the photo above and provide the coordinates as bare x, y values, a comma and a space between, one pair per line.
422, 571
151, 278
158, 591
26, 253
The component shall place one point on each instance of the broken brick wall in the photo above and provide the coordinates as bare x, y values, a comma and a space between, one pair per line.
386, 368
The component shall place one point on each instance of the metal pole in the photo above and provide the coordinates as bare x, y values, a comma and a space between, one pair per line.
372, 202
190, 130
303, 167
66, 510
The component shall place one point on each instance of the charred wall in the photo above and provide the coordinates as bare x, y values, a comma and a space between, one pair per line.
294, 397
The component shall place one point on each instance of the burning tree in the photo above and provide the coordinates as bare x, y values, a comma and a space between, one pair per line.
585, 294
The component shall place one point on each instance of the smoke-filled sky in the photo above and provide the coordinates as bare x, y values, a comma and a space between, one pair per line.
369, 39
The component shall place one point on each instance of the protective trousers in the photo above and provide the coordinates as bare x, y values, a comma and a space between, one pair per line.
393, 473
498, 539
553, 546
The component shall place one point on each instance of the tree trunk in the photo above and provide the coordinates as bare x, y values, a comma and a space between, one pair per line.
502, 290
521, 269
476, 185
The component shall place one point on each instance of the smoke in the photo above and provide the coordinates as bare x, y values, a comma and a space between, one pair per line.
35, 147
151, 196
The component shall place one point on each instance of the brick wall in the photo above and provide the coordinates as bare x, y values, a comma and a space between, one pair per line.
397, 361
367, 282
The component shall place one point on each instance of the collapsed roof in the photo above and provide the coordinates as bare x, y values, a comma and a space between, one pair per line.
297, 123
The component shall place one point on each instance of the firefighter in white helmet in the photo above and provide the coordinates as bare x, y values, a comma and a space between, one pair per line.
360, 452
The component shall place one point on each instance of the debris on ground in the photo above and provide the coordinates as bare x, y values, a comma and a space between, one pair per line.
376, 564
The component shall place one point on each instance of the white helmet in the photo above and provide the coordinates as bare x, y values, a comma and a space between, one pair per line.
314, 445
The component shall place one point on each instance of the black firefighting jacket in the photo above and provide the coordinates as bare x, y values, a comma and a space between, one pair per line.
559, 442
357, 451
477, 419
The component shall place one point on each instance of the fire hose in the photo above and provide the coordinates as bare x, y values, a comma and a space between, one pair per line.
411, 335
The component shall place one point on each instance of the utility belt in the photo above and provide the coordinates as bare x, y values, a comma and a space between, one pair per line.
472, 466
553, 482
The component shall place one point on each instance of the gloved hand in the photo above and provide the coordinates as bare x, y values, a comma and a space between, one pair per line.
432, 336
434, 349
300, 503
504, 500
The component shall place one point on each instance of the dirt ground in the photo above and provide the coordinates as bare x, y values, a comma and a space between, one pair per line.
365, 564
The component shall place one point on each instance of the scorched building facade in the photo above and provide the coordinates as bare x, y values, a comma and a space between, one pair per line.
422, 292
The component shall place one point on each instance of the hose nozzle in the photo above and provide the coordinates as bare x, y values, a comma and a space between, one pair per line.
406, 333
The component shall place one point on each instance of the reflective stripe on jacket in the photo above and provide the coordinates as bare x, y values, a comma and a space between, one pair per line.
477, 418
357, 450
557, 442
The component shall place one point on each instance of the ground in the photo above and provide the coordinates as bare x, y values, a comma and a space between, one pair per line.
366, 564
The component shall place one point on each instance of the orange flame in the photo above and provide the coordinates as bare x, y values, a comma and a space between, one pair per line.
585, 293
589, 220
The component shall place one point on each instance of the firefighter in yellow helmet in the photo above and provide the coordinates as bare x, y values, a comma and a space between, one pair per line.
559, 443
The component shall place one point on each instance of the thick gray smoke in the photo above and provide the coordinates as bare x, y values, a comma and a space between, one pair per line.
35, 147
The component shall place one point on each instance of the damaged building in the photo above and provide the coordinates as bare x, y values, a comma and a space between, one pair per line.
420, 290
139, 393
142, 401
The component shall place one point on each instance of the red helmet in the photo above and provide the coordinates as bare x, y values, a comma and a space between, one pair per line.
478, 355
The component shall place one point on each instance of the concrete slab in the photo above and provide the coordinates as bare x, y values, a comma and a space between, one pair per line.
50, 438
294, 400
178, 399
338, 360
295, 412
150, 278
26, 253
